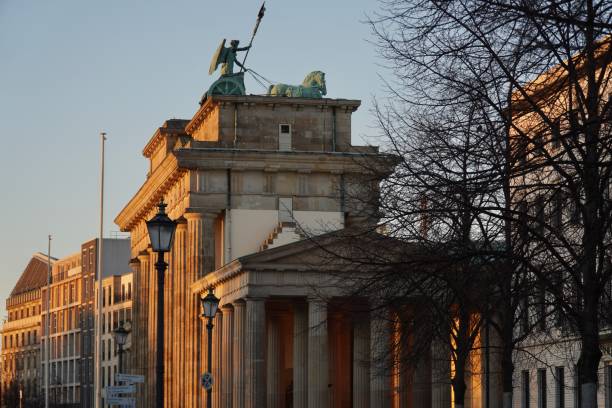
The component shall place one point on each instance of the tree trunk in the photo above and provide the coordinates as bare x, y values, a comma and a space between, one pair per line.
459, 387
588, 362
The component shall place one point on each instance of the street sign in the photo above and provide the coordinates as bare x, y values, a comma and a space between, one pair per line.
129, 378
124, 402
207, 381
120, 389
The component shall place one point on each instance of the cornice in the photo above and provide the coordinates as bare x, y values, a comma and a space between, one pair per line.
149, 193
157, 138
217, 277
274, 161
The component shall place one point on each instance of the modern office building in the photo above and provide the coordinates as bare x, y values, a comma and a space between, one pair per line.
116, 312
71, 315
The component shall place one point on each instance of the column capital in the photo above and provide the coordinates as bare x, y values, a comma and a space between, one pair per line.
255, 299
227, 306
200, 213
181, 222
143, 255
238, 303
315, 299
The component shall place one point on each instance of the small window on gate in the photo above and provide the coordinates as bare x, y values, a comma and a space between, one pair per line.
284, 136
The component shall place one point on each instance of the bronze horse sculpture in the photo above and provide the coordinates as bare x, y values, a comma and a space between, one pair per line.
313, 86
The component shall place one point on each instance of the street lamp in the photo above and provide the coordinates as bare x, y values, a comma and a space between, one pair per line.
210, 304
161, 233
120, 338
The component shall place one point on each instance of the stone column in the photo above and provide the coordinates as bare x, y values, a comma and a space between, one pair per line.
255, 350
169, 329
217, 352
273, 354
318, 355
361, 362
195, 227
300, 355
140, 326
380, 363
152, 327
208, 242
440, 375
227, 337
198, 351
193, 326
181, 297
239, 354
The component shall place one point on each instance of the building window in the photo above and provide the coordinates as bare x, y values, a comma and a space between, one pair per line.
129, 290
556, 214
284, 137
559, 387
285, 209
525, 389
556, 133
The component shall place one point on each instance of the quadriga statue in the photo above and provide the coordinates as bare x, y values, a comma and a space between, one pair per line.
312, 87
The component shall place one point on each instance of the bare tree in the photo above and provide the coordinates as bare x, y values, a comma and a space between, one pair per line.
537, 73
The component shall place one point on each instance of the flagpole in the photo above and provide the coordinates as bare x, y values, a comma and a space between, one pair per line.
98, 348
48, 324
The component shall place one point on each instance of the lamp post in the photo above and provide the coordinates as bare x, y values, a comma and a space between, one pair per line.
210, 304
120, 338
161, 234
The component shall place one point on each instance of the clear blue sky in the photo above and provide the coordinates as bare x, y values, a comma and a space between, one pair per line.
69, 69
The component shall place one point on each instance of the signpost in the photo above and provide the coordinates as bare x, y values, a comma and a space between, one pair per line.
122, 401
120, 389
114, 394
130, 378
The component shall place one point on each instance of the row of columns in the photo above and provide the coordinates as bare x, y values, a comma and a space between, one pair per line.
250, 351
248, 358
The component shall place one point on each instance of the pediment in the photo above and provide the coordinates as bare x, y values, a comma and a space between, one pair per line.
331, 251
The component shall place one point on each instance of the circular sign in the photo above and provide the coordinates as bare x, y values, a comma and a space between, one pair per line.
207, 381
